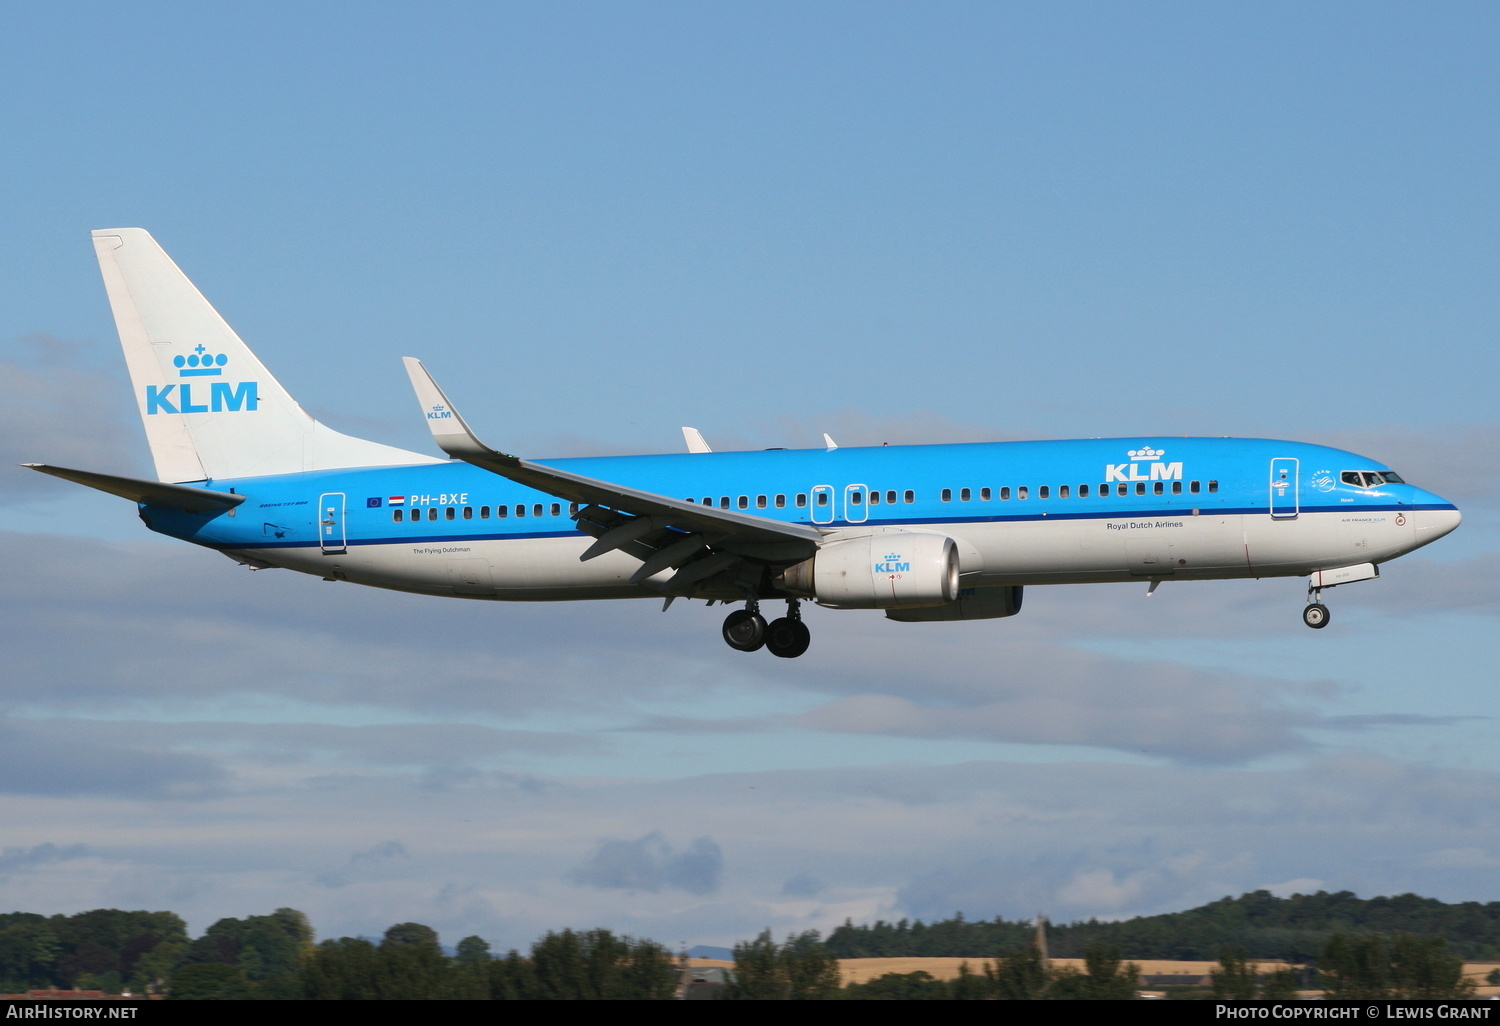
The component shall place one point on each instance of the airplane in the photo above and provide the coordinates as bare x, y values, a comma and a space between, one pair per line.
923, 533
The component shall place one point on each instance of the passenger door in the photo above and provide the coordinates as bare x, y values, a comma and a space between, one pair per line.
1283, 488
331, 523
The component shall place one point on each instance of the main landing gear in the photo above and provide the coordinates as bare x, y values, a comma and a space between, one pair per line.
786, 637
1315, 614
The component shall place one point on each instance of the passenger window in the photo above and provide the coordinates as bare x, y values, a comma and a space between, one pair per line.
911, 496
1005, 494
572, 509
856, 498
1193, 487
947, 494
723, 502
822, 498
964, 494
468, 512
1043, 492
1140, 488
1083, 491
1176, 487
1213, 486
502, 512
536, 510
890, 498
1062, 492
484, 512
744, 502
874, 498
1122, 489
760, 502
520, 510
1021, 492
780, 500
801, 499
1159, 488
432, 513
396, 515
984, 495
557, 509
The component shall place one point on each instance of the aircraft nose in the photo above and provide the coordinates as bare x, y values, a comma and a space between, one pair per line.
1431, 524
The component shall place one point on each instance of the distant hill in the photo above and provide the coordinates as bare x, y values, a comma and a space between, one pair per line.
1264, 925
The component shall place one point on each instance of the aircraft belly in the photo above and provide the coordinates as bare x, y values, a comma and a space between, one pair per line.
1123, 548
535, 569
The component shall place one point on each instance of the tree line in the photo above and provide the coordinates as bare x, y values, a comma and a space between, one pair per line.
1293, 929
275, 957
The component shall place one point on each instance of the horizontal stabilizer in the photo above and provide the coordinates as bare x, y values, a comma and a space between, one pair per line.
455, 438
152, 493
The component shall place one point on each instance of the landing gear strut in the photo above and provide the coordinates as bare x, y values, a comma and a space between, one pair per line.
786, 637
1315, 614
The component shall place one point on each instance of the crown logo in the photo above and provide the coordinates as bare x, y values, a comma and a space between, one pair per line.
199, 364
891, 557
1147, 453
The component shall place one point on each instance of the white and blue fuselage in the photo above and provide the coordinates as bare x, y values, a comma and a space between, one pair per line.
923, 533
1051, 512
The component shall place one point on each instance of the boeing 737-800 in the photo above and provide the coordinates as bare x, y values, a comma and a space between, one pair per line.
923, 533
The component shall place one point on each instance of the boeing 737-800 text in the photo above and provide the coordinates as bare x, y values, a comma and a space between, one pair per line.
923, 533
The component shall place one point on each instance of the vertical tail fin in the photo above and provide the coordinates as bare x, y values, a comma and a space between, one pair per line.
210, 408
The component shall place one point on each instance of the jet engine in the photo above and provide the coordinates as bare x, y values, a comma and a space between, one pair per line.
971, 604
896, 570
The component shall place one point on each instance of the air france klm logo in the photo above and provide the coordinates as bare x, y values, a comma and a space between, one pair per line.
223, 397
1132, 471
439, 412
892, 565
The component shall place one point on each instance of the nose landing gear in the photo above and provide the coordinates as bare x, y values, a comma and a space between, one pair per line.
786, 637
1315, 614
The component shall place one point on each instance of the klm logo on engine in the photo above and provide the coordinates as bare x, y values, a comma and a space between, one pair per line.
892, 565
1132, 471
222, 397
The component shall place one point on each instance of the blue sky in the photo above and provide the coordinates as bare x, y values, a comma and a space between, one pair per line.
597, 222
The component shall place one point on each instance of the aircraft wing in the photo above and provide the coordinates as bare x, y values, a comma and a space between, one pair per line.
656, 528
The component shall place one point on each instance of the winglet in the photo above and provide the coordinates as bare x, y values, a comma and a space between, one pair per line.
829, 442
448, 428
694, 439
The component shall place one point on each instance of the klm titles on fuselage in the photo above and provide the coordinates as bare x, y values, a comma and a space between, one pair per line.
223, 397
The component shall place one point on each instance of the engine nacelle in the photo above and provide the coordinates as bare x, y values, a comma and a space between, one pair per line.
971, 604
895, 570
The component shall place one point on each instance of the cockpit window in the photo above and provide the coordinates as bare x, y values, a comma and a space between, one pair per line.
1370, 478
